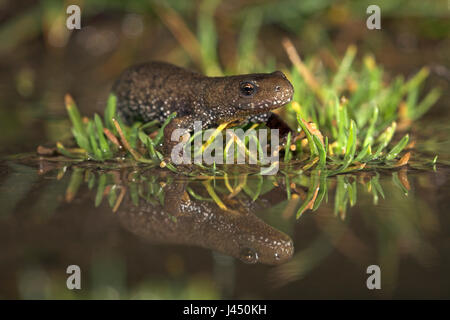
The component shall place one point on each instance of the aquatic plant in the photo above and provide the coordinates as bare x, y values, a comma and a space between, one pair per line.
350, 115
306, 192
347, 119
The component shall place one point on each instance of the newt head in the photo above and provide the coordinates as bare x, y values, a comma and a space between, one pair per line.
255, 241
260, 93
267, 250
249, 94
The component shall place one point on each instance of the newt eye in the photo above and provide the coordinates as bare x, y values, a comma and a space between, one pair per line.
248, 255
247, 89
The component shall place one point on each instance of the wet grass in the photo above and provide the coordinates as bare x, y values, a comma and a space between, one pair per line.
308, 192
349, 114
348, 120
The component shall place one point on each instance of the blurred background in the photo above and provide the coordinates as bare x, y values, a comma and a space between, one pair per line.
41, 232
41, 60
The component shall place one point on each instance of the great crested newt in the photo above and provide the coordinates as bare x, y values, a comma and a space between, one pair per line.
235, 231
155, 90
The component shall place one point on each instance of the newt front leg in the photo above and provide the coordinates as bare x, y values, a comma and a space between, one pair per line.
175, 139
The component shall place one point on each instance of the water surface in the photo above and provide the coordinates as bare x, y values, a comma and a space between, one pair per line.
147, 233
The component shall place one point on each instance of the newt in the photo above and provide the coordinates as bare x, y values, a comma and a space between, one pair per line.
236, 231
155, 90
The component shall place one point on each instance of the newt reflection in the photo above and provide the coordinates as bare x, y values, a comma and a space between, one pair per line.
235, 231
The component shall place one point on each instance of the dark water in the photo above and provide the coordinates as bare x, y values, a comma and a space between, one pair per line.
144, 233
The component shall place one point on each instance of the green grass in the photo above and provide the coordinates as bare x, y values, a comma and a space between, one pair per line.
151, 188
353, 108
353, 116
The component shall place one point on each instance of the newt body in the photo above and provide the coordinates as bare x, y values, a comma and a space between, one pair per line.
155, 90
236, 232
